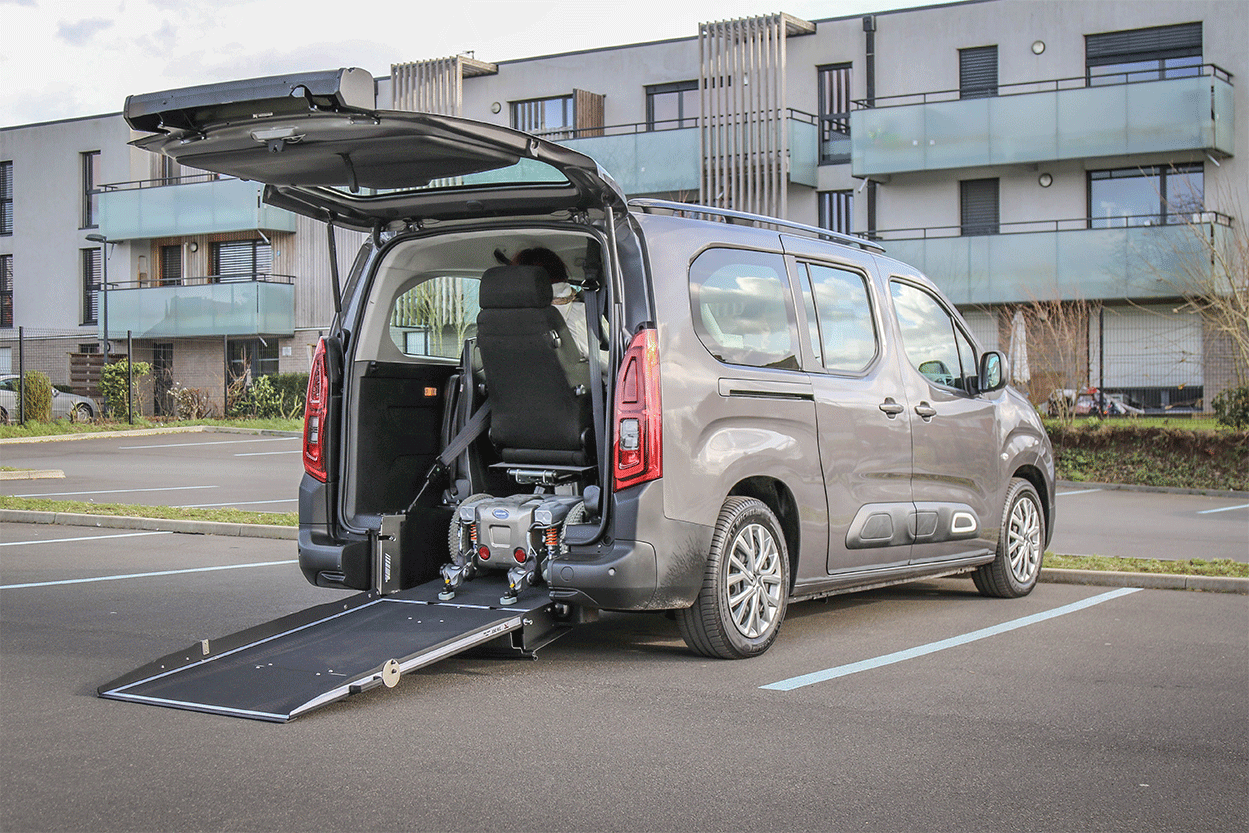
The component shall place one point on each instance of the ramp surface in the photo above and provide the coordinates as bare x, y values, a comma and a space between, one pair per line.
285, 668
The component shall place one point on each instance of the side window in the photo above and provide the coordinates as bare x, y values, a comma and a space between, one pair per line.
741, 307
847, 336
434, 316
928, 335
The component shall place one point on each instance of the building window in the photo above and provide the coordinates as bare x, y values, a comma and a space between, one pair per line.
170, 265
1143, 54
251, 358
978, 206
546, 116
837, 211
6, 197
977, 72
90, 181
1148, 196
834, 92
91, 264
6, 290
672, 106
242, 260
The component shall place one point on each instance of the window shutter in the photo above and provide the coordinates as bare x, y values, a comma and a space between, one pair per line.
1155, 42
979, 204
977, 72
170, 265
243, 259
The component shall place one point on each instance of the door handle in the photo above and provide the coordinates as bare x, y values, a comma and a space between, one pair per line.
890, 407
925, 411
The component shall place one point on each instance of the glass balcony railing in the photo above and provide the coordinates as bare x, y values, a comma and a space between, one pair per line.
190, 205
664, 157
1064, 259
1045, 121
233, 305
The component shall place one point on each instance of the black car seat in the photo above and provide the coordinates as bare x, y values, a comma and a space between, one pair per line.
537, 380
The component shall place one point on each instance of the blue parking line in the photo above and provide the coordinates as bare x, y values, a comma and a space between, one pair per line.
952, 642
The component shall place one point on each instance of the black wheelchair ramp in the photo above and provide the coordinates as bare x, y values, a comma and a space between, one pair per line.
288, 667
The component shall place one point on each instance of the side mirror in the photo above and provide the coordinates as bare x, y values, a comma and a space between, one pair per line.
992, 372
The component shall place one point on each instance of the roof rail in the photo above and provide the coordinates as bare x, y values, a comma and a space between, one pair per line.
647, 206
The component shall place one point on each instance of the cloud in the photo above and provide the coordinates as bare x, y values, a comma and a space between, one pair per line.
77, 34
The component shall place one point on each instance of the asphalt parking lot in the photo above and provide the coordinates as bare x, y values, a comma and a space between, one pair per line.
1075, 708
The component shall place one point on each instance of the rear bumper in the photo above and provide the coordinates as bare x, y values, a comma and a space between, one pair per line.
652, 563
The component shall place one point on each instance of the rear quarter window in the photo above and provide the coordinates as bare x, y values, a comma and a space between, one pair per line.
742, 310
434, 316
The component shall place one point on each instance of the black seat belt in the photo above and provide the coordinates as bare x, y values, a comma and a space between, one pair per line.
472, 430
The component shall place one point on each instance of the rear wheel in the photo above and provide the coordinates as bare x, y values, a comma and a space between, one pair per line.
1020, 546
453, 534
745, 590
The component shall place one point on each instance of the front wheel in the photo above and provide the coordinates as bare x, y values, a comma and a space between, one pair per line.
1020, 546
745, 589
81, 413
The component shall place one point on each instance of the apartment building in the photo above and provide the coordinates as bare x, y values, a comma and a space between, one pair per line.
1016, 151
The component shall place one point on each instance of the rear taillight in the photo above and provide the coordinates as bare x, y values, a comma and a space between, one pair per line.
638, 443
315, 410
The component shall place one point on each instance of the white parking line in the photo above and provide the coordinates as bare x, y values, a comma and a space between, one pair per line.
83, 538
219, 442
117, 491
1224, 509
933, 647
268, 453
1080, 492
146, 575
235, 503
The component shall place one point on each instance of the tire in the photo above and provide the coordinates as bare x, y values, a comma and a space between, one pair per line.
81, 413
4, 417
1020, 546
745, 590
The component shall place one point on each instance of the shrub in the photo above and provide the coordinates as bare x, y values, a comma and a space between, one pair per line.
37, 402
113, 387
256, 401
191, 403
1231, 407
292, 388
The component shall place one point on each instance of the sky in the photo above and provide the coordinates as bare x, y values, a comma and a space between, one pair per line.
69, 58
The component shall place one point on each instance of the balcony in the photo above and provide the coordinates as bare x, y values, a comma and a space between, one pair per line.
238, 306
1062, 259
667, 159
1044, 121
190, 205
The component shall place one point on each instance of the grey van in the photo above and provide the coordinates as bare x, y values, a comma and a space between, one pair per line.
711, 413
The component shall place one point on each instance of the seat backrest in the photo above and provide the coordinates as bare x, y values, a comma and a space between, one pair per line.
537, 380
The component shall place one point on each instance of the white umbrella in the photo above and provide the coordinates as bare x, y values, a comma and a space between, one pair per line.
1020, 373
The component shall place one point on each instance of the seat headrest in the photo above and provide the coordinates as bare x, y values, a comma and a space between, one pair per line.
515, 287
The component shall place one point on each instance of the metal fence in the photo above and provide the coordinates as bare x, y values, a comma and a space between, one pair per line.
1122, 359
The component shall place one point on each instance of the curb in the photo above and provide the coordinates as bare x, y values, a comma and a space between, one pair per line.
234, 530
32, 474
1149, 581
1129, 487
153, 432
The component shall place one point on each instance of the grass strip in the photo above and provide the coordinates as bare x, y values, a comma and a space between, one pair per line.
230, 516
1186, 567
60, 426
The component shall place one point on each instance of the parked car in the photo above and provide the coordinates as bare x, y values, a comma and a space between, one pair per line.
1089, 401
65, 405
764, 413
